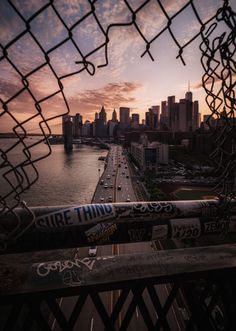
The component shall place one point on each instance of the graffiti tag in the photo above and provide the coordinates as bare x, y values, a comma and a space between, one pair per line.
154, 207
44, 269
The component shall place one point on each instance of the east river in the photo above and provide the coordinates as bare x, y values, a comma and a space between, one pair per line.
63, 178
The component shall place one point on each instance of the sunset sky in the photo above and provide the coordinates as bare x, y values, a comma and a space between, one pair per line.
128, 80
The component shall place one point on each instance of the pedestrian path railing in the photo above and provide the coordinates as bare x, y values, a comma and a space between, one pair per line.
113, 223
193, 287
181, 289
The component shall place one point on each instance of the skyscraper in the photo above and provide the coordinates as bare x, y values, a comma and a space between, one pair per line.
195, 115
114, 116
151, 117
86, 129
103, 115
164, 120
183, 115
124, 117
147, 119
156, 116
186, 115
170, 101
189, 96
164, 109
175, 117
99, 125
78, 123
135, 121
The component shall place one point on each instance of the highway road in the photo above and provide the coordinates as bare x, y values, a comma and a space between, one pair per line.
115, 186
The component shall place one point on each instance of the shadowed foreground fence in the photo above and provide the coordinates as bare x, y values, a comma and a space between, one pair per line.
180, 289
199, 281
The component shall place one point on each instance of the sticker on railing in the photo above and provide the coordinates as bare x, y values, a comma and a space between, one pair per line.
136, 234
216, 226
76, 215
185, 228
159, 232
101, 232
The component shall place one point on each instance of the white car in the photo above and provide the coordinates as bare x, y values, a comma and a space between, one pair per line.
101, 199
105, 186
128, 199
93, 251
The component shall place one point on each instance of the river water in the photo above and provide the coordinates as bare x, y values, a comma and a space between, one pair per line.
63, 178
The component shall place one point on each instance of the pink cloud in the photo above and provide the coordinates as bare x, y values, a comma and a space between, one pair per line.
111, 95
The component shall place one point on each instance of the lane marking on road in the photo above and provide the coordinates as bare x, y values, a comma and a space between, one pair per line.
172, 308
91, 324
54, 322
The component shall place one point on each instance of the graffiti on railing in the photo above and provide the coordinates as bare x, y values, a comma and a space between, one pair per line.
121, 223
44, 269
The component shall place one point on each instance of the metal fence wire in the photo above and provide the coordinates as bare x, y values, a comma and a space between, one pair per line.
218, 61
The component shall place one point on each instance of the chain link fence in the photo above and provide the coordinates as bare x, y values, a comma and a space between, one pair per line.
219, 80
218, 61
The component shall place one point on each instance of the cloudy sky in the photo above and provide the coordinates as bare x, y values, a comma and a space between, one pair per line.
26, 80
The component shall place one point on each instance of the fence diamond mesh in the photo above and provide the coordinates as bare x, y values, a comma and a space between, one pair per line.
218, 62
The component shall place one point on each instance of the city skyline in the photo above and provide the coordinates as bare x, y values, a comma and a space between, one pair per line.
127, 81
131, 110
173, 116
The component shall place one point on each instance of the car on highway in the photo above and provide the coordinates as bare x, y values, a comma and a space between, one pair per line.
108, 176
118, 187
127, 176
105, 185
92, 251
102, 182
109, 199
128, 199
101, 199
